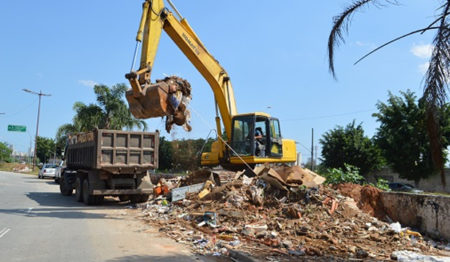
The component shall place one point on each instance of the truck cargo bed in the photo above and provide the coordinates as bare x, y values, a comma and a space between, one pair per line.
113, 151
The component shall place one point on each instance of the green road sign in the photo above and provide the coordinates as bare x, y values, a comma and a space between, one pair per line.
17, 128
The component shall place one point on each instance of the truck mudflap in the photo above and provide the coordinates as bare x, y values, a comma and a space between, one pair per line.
117, 192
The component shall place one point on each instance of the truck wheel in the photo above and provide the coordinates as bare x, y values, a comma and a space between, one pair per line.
139, 198
65, 188
79, 189
89, 199
99, 200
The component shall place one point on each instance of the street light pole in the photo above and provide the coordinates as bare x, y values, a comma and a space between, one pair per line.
40, 94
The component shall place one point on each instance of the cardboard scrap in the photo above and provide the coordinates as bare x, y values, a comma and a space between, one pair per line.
292, 176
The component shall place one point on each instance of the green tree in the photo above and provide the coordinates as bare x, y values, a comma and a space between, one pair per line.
438, 73
348, 145
110, 112
45, 148
115, 113
5, 152
186, 153
165, 154
62, 135
402, 135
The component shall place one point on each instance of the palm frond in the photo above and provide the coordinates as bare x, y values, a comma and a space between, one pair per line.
340, 26
394, 40
436, 87
341, 23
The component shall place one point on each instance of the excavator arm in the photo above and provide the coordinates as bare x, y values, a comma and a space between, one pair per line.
147, 99
155, 18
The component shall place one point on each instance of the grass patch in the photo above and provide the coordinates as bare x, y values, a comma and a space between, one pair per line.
14, 167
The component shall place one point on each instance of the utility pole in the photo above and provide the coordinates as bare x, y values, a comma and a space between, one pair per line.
312, 149
40, 94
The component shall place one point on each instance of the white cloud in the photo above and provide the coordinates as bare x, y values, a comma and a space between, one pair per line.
88, 83
422, 51
365, 44
424, 67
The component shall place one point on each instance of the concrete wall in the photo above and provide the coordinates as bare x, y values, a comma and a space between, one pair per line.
429, 214
431, 184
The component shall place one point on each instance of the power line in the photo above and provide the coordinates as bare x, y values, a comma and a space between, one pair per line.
329, 116
305, 147
22, 109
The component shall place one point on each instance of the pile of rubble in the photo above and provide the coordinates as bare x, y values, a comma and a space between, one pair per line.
22, 168
273, 213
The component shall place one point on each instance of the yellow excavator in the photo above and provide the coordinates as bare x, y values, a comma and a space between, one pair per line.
250, 139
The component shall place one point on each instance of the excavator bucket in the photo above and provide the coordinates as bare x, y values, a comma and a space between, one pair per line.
168, 97
152, 104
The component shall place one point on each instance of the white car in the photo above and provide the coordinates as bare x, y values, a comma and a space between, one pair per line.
48, 170
59, 170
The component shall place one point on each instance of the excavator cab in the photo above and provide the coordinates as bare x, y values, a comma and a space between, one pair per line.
256, 135
255, 139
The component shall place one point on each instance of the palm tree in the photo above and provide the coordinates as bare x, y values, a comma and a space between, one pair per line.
115, 113
110, 112
437, 75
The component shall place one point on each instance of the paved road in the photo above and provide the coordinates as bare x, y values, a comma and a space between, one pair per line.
38, 224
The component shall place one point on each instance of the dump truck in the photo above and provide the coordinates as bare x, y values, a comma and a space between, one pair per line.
109, 163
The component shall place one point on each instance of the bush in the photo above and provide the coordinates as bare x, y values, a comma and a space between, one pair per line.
348, 174
382, 184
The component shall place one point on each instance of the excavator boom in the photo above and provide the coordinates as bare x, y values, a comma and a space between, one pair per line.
155, 18
169, 97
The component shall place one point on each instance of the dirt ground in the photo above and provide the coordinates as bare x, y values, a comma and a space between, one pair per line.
367, 197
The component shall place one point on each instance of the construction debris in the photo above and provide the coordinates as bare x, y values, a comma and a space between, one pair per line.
281, 212
406, 256
168, 97
21, 168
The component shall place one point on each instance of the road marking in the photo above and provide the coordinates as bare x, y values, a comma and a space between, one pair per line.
29, 211
4, 232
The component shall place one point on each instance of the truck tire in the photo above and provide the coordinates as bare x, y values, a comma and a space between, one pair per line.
89, 199
139, 198
79, 189
65, 188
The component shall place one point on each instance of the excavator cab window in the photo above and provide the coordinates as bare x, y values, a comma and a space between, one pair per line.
261, 137
242, 135
250, 135
276, 144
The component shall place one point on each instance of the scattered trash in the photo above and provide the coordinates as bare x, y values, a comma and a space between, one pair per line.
21, 168
406, 256
207, 187
282, 211
411, 233
180, 193
396, 227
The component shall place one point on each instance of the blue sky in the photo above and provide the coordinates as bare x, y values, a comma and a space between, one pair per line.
275, 53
